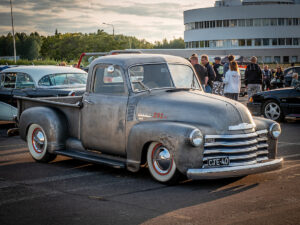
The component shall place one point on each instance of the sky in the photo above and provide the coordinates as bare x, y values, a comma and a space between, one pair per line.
145, 19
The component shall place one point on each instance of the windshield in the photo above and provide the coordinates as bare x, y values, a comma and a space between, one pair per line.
64, 79
151, 76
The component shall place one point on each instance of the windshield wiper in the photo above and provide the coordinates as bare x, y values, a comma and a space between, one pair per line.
178, 89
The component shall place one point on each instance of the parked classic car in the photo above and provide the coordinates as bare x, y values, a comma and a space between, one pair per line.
276, 104
155, 114
39, 81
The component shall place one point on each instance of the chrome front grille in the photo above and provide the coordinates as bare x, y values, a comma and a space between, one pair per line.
242, 149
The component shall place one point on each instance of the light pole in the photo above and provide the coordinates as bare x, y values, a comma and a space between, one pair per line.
112, 27
13, 31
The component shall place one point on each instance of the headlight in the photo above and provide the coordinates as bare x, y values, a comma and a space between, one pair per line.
196, 138
275, 130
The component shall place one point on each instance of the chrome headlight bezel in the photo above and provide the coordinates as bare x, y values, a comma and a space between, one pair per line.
196, 138
275, 130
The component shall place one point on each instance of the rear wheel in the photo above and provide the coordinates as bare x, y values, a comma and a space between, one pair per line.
37, 144
161, 164
272, 110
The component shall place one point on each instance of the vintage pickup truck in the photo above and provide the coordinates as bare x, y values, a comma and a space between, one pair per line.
142, 109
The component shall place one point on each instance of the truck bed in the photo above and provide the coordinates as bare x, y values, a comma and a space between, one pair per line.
69, 105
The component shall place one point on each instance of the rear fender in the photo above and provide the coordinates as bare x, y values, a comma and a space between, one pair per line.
53, 122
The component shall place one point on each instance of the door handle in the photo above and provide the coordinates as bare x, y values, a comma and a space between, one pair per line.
89, 102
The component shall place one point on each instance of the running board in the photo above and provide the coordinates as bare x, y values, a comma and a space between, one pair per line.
92, 158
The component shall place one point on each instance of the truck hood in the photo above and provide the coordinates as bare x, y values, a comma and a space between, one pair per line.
211, 113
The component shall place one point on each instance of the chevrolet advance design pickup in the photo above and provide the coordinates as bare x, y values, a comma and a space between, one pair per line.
142, 109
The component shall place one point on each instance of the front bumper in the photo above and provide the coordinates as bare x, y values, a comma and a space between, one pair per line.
235, 171
254, 108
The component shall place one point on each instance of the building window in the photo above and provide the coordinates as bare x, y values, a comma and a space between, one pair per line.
212, 24
257, 42
295, 21
288, 41
241, 23
206, 24
197, 25
249, 22
219, 44
233, 23
266, 41
186, 45
242, 42
212, 44
268, 59
225, 23
281, 41
294, 59
201, 44
280, 22
192, 26
289, 22
277, 59
295, 41
206, 44
257, 22
266, 22
273, 22
234, 43
219, 23
286, 59
249, 42
274, 41
201, 25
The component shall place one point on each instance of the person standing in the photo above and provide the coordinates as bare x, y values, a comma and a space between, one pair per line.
253, 78
232, 81
266, 78
218, 83
279, 77
210, 72
226, 65
295, 82
200, 70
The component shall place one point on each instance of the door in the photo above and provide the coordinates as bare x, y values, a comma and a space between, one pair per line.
104, 111
8, 83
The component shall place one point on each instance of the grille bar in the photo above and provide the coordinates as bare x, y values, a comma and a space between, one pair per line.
241, 149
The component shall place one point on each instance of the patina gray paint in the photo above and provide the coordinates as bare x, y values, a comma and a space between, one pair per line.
124, 125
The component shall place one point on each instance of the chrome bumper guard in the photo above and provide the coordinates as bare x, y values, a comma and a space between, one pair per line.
234, 171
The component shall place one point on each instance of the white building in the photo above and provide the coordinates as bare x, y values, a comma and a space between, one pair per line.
268, 29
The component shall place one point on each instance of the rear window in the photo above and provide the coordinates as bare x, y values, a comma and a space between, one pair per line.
63, 79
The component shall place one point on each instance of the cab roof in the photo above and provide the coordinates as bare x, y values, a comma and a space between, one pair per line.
127, 60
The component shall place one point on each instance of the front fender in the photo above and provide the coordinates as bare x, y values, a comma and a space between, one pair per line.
172, 135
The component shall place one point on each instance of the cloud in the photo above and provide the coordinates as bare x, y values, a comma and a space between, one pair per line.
149, 19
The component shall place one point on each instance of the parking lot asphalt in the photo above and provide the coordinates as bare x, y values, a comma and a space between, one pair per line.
68, 191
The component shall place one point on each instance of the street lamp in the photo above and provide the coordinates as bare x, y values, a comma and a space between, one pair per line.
13, 31
112, 27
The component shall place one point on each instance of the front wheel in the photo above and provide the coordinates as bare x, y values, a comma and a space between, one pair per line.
161, 164
37, 144
272, 110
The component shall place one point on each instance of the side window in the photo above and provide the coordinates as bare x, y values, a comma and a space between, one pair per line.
9, 80
45, 81
108, 79
24, 81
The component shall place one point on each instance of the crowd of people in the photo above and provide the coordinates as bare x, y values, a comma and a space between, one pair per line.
226, 79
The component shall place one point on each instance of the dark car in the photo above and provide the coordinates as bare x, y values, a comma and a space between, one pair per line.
276, 104
288, 73
39, 81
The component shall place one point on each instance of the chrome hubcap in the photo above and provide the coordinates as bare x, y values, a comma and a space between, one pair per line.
162, 160
38, 140
272, 111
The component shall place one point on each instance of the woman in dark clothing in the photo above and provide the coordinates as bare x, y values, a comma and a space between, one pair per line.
279, 77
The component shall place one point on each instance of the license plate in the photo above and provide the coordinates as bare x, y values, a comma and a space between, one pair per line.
216, 162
